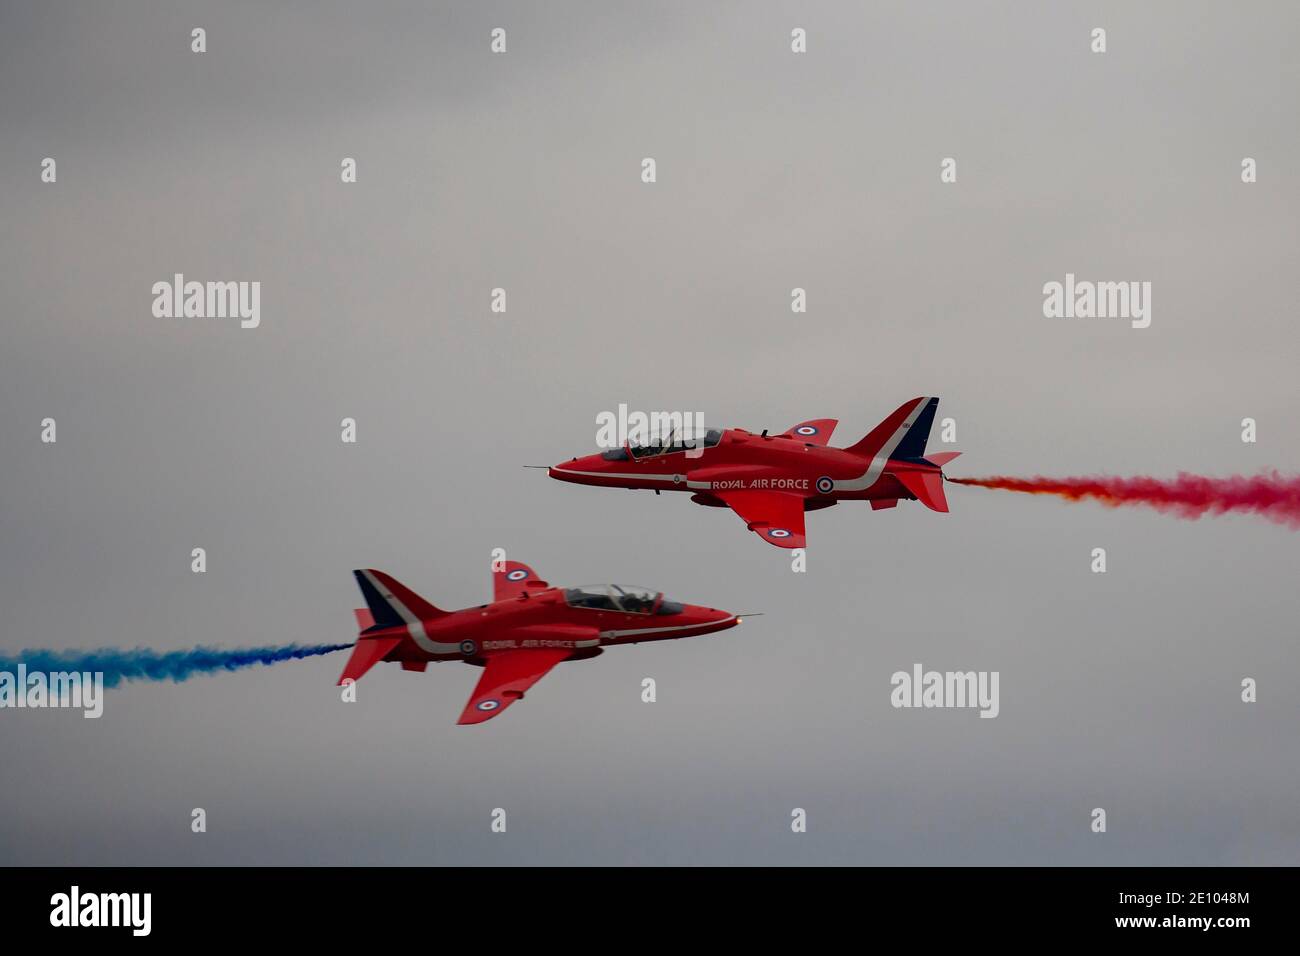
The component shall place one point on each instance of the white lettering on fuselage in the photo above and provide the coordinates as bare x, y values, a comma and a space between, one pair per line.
792, 484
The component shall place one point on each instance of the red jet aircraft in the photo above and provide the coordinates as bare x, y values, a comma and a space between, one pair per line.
527, 629
771, 480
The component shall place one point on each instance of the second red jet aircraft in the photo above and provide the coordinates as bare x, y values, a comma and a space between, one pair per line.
772, 480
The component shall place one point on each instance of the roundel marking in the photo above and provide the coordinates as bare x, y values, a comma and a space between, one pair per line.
806, 430
778, 533
488, 704
518, 574
825, 485
468, 647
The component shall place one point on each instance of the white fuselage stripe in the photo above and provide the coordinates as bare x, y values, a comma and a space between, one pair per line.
662, 630
675, 479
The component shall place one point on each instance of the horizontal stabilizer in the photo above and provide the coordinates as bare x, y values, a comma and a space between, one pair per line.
368, 652
941, 458
927, 486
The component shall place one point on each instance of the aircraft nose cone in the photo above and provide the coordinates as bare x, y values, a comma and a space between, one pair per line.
577, 469
564, 470
718, 619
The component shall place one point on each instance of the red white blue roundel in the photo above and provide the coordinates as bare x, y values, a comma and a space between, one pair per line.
778, 533
518, 574
468, 647
488, 704
807, 430
825, 485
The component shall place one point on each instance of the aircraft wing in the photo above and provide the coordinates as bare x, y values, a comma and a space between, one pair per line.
815, 432
513, 579
775, 516
505, 678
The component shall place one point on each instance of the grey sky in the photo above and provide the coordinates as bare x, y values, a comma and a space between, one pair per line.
522, 171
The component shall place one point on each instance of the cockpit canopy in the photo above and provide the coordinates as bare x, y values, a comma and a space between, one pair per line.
666, 445
619, 597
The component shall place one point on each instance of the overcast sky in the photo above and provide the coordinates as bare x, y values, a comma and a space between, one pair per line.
522, 171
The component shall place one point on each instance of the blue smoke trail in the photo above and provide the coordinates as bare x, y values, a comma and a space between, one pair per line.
142, 664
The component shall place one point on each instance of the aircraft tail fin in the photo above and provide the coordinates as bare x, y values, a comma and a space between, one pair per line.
903, 434
391, 603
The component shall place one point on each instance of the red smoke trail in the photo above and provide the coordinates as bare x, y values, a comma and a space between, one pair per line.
1269, 495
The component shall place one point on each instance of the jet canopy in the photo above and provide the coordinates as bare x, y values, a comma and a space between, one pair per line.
675, 441
619, 597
